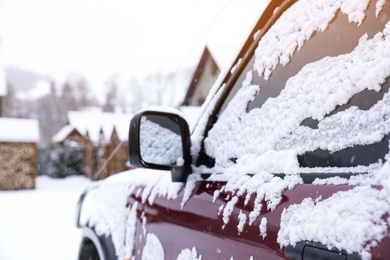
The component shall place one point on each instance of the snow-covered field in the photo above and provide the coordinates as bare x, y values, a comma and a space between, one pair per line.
40, 223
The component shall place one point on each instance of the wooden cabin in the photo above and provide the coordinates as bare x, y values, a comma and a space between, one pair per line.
206, 73
18, 153
103, 137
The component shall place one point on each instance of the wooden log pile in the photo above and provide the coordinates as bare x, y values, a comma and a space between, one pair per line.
18, 165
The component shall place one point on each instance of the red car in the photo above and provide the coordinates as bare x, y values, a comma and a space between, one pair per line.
287, 161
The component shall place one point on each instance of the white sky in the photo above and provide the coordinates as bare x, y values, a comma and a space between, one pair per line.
97, 38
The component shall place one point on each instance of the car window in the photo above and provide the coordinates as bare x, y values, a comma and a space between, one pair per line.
314, 94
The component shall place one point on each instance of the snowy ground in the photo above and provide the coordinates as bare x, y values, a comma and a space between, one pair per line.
40, 223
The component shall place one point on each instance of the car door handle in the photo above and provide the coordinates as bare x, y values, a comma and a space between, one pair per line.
307, 250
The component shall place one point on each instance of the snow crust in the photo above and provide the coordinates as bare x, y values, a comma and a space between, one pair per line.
130, 233
263, 227
241, 222
105, 204
298, 25
112, 215
314, 92
354, 220
189, 254
165, 150
206, 110
351, 220
153, 249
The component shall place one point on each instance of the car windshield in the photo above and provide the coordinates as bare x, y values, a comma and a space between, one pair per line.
314, 96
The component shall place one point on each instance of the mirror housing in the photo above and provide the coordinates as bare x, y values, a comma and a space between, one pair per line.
161, 141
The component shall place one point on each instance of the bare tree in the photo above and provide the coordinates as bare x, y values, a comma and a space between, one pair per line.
111, 96
51, 109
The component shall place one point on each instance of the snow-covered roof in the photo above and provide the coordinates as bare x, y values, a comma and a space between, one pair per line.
19, 130
92, 122
3, 85
223, 56
63, 133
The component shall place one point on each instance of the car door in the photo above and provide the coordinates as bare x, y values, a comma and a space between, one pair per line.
288, 132
215, 224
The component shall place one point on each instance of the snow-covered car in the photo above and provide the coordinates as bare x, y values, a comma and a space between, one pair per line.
288, 159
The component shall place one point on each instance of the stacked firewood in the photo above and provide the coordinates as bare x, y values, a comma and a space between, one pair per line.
18, 166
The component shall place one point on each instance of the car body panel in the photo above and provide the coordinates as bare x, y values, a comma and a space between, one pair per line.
199, 223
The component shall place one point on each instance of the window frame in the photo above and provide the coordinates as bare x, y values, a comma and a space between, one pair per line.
270, 15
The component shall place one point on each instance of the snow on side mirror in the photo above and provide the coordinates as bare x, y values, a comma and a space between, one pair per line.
160, 140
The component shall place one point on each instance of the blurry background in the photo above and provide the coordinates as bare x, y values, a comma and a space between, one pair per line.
79, 69
120, 55
72, 73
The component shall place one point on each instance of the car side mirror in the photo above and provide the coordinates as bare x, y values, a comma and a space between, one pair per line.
161, 141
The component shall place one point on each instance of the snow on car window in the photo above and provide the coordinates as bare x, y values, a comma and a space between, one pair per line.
328, 83
166, 150
298, 25
270, 138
